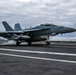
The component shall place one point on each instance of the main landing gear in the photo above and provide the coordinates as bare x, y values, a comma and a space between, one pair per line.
47, 42
29, 43
18, 43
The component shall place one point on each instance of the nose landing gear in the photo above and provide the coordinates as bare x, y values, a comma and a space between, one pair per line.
47, 41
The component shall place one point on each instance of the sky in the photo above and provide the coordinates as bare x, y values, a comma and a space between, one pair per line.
34, 12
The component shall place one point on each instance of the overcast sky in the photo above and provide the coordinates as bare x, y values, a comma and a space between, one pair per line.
33, 12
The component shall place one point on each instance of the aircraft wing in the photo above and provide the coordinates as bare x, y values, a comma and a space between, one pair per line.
25, 32
12, 32
7, 34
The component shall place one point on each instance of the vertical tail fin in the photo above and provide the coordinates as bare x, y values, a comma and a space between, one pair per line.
17, 27
7, 26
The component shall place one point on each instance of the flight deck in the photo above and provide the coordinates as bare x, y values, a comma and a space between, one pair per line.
38, 59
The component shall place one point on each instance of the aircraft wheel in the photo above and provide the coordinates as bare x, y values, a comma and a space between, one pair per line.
29, 43
47, 42
17, 43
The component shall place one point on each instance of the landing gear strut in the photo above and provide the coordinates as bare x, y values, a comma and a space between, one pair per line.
47, 41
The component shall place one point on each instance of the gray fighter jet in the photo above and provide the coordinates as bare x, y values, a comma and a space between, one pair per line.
35, 34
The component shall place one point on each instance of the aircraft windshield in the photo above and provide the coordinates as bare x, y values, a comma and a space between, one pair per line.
47, 25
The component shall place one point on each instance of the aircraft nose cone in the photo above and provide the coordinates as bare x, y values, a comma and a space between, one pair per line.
70, 29
67, 29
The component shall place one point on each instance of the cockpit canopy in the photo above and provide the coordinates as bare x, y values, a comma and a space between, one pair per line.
44, 25
48, 24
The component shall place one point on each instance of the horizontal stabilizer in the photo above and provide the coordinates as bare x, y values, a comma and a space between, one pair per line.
7, 26
17, 27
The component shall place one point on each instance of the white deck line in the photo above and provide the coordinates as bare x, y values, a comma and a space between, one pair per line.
39, 52
38, 58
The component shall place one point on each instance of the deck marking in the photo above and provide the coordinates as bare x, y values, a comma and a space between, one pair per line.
39, 58
39, 52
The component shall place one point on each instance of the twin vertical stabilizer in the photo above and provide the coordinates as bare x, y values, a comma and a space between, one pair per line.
8, 28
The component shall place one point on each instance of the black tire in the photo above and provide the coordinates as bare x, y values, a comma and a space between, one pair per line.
47, 42
17, 43
29, 43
